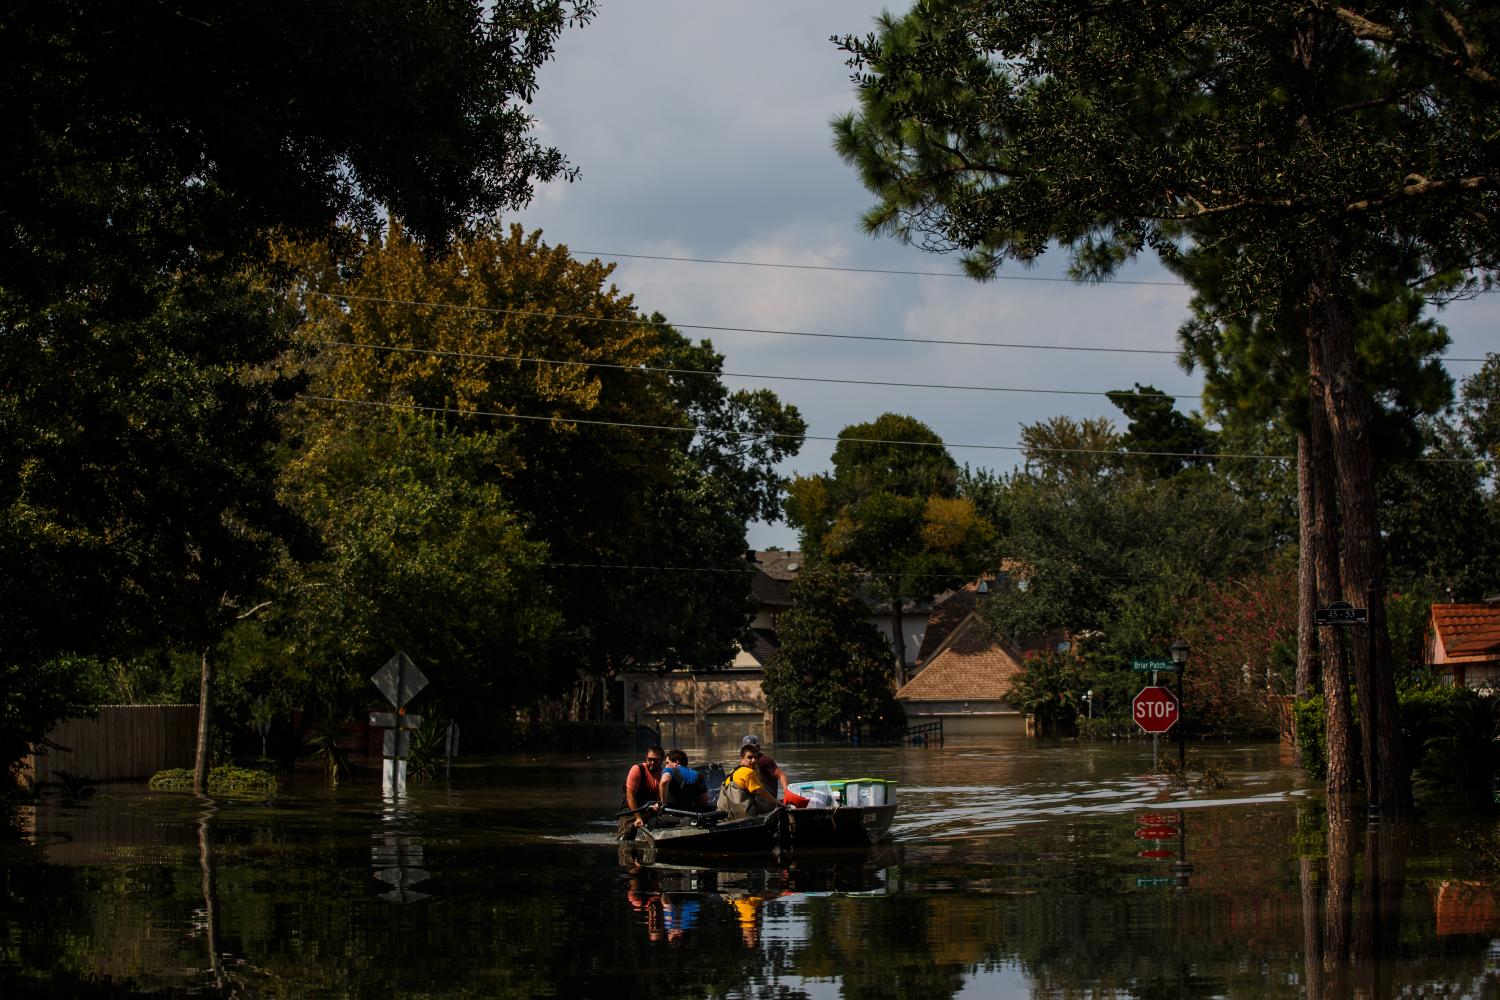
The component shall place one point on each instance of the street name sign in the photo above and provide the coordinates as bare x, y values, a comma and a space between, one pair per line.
1152, 665
1154, 882
1155, 709
1341, 613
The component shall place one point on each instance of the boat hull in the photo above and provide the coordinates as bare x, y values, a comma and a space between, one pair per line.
783, 831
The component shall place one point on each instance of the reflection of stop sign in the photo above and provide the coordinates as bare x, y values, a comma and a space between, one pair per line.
1155, 709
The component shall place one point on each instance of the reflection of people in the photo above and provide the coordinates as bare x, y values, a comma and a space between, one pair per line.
681, 786
679, 915
645, 899
771, 774
642, 785
744, 793
747, 912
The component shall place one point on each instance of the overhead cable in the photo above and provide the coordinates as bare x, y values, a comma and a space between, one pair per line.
640, 320
526, 359
726, 432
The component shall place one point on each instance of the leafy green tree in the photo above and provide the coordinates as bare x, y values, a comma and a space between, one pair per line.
1064, 448
136, 412
891, 510
421, 551
1481, 408
1156, 426
610, 437
1304, 143
832, 669
1440, 524
1051, 688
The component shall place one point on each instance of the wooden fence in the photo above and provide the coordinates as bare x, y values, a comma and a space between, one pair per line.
124, 742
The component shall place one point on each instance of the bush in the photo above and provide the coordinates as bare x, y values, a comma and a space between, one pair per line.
1461, 754
1312, 742
1107, 727
226, 780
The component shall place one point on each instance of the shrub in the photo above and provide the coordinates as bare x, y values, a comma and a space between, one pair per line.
226, 780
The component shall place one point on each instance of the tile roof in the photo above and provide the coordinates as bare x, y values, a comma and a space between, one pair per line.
1468, 629
947, 612
972, 665
775, 571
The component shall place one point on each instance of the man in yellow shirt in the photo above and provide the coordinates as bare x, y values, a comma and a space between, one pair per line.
744, 793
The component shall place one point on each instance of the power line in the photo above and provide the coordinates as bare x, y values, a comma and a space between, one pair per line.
526, 359
694, 429
415, 407
638, 321
897, 271
868, 270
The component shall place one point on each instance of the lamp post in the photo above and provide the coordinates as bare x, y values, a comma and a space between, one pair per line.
1179, 651
1088, 696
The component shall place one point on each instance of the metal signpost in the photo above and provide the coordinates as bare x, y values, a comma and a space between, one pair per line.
399, 680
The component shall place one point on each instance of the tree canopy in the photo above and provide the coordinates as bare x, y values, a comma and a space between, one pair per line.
1299, 144
151, 150
607, 472
891, 509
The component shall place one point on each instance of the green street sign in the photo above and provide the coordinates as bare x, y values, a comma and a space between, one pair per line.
1152, 665
1154, 882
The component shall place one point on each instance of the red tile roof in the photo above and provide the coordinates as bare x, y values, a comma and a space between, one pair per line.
1468, 629
972, 665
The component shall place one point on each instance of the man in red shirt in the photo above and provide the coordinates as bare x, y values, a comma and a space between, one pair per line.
642, 785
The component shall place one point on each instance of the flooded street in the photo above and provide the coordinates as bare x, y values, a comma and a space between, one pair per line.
1016, 869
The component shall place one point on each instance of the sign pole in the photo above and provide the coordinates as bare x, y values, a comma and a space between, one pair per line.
1181, 726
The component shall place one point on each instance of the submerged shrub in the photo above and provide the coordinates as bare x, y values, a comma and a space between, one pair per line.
226, 779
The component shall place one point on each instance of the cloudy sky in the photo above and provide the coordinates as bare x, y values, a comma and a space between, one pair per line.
701, 130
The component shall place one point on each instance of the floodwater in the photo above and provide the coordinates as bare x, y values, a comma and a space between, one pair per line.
1017, 869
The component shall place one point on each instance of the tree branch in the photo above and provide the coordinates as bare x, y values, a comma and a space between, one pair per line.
1417, 186
1371, 31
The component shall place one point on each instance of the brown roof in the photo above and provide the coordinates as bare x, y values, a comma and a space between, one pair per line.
775, 571
972, 665
1468, 629
947, 612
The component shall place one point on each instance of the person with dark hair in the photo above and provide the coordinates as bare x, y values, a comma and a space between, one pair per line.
744, 793
642, 787
683, 787
771, 774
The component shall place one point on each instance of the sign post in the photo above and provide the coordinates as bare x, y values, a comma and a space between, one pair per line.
400, 681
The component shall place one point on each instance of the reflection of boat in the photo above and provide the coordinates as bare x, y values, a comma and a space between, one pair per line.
856, 871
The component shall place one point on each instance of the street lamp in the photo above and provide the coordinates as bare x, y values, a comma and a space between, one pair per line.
1179, 651
1088, 696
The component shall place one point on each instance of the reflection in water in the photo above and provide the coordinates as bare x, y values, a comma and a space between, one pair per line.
397, 854
208, 917
138, 894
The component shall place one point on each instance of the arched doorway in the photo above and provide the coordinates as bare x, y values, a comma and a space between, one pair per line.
673, 719
729, 721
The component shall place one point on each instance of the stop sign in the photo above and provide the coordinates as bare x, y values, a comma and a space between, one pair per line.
1155, 709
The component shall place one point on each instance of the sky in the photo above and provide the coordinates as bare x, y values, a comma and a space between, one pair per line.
701, 130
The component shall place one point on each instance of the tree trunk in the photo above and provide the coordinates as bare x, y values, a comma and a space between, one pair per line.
1337, 713
898, 630
205, 704
1363, 579
1307, 583
1338, 908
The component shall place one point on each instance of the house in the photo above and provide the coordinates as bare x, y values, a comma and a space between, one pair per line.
706, 708
713, 707
964, 670
1462, 645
